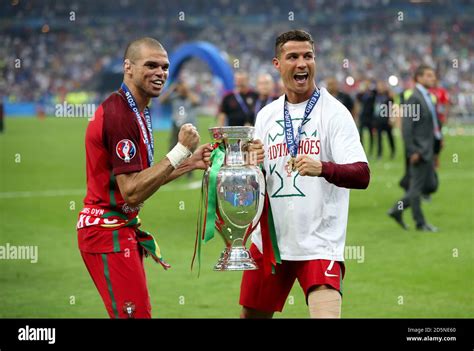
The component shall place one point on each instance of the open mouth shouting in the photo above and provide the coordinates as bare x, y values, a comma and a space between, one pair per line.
301, 78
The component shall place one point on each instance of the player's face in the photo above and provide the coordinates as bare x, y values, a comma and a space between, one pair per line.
428, 79
297, 66
381, 87
241, 81
150, 71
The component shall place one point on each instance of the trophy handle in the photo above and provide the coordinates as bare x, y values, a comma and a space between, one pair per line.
261, 203
219, 226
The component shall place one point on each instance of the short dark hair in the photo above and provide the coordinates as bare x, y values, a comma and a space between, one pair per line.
292, 35
132, 52
420, 70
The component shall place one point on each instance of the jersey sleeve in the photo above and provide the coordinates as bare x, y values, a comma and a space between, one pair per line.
122, 138
350, 175
344, 139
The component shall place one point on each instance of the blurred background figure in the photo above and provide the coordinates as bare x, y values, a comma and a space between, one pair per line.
265, 88
443, 104
332, 85
420, 129
237, 107
438, 143
366, 100
382, 114
183, 105
37, 67
443, 101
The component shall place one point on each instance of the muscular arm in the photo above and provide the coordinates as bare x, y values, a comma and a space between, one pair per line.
139, 186
352, 175
185, 167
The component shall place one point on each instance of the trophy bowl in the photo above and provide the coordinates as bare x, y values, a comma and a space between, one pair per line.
240, 189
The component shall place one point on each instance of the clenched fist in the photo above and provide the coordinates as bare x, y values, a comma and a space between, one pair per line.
189, 136
201, 158
308, 166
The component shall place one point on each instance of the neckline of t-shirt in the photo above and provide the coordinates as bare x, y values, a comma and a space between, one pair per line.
299, 104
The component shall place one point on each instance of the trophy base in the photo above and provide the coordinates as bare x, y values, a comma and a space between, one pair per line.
235, 259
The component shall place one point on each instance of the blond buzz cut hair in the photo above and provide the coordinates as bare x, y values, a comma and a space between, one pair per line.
132, 52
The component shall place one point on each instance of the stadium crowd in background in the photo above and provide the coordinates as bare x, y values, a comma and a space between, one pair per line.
50, 39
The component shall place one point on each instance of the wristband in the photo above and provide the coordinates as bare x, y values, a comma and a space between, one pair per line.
178, 154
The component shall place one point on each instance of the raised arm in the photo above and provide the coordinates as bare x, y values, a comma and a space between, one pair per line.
138, 186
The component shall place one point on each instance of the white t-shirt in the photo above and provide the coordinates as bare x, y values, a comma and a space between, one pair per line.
310, 214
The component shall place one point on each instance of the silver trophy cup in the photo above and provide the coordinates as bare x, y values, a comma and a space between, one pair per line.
240, 197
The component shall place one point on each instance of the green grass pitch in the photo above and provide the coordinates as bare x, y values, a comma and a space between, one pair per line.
403, 274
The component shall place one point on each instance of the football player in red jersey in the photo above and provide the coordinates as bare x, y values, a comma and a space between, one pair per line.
121, 175
443, 104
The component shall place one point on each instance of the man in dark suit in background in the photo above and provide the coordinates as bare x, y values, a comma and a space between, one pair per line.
237, 107
420, 129
365, 101
332, 85
265, 90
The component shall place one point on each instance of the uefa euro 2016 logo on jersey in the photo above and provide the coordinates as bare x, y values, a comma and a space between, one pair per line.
126, 150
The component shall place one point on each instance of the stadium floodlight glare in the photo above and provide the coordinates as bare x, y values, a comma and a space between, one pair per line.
393, 80
350, 81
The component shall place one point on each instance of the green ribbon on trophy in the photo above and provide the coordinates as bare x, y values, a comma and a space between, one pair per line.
208, 204
217, 159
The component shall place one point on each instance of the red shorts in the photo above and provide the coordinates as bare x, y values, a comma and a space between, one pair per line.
121, 281
269, 293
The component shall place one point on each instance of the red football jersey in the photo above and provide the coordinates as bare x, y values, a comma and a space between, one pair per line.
442, 100
114, 146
